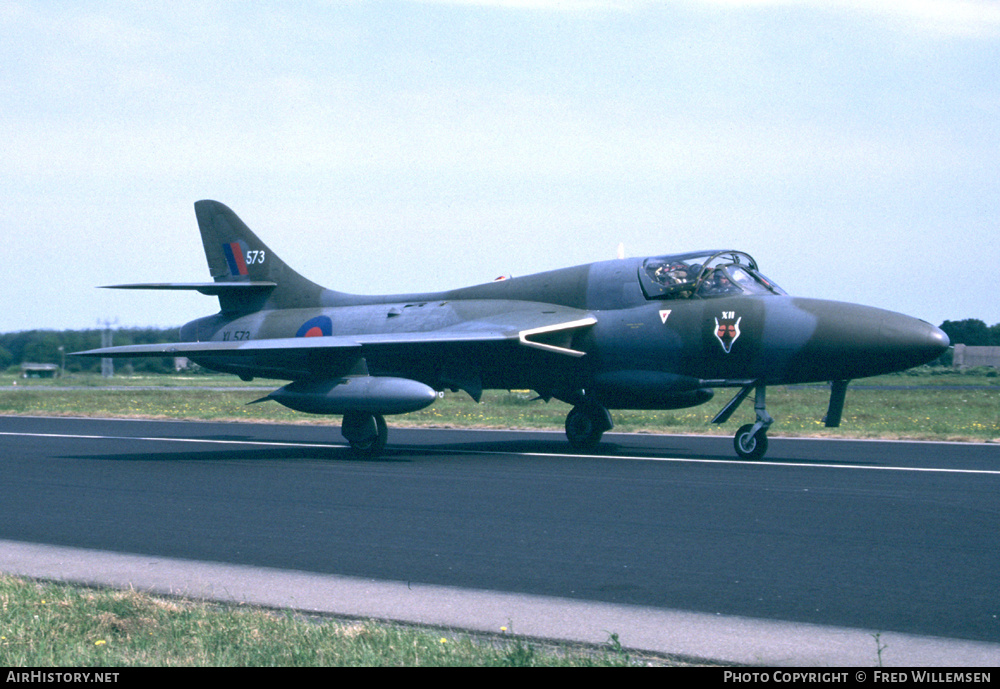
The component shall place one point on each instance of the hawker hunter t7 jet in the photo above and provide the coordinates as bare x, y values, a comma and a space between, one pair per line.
638, 333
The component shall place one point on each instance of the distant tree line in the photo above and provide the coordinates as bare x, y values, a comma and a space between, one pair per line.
972, 332
55, 346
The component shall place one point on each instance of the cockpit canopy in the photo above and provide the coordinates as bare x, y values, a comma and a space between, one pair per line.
703, 275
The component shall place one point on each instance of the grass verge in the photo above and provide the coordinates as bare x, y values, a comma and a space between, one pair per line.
47, 624
928, 406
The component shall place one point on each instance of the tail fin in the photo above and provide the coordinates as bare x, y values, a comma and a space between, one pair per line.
236, 256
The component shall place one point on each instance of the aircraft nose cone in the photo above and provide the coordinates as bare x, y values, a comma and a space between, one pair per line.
849, 341
914, 342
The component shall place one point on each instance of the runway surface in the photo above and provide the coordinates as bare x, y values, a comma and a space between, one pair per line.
872, 536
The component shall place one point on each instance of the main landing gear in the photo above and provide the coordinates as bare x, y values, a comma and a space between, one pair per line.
750, 441
367, 433
586, 423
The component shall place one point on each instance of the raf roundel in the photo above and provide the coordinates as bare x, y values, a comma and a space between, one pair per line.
319, 326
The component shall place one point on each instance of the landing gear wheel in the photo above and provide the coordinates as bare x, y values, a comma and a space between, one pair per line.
367, 434
749, 445
585, 425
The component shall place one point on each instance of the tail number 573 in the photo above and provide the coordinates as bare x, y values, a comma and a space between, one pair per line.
254, 257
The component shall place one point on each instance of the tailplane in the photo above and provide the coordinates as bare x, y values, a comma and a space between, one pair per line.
247, 275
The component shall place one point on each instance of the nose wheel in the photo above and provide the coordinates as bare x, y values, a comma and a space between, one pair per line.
750, 444
750, 441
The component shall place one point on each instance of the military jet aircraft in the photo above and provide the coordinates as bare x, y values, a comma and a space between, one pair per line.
632, 333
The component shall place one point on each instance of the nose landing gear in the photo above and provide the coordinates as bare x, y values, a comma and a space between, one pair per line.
750, 441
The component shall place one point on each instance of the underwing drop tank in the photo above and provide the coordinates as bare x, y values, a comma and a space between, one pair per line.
368, 394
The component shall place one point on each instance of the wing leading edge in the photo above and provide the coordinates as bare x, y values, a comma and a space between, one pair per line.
551, 337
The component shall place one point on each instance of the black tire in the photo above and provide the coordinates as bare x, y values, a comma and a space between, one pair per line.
583, 428
372, 447
752, 447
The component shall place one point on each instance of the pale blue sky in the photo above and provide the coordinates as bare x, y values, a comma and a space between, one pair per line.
851, 146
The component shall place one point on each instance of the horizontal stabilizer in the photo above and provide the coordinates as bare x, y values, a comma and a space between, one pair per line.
212, 289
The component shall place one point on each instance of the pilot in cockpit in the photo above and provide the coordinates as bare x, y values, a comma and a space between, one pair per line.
669, 274
718, 283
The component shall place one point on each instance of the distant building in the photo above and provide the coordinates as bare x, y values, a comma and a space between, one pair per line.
39, 371
969, 357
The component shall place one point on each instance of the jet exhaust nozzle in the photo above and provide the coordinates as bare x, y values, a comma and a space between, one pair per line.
369, 394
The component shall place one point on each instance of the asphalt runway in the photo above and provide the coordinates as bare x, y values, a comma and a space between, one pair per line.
897, 538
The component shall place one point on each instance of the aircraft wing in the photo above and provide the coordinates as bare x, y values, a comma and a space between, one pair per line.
285, 344
213, 348
296, 356
530, 337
